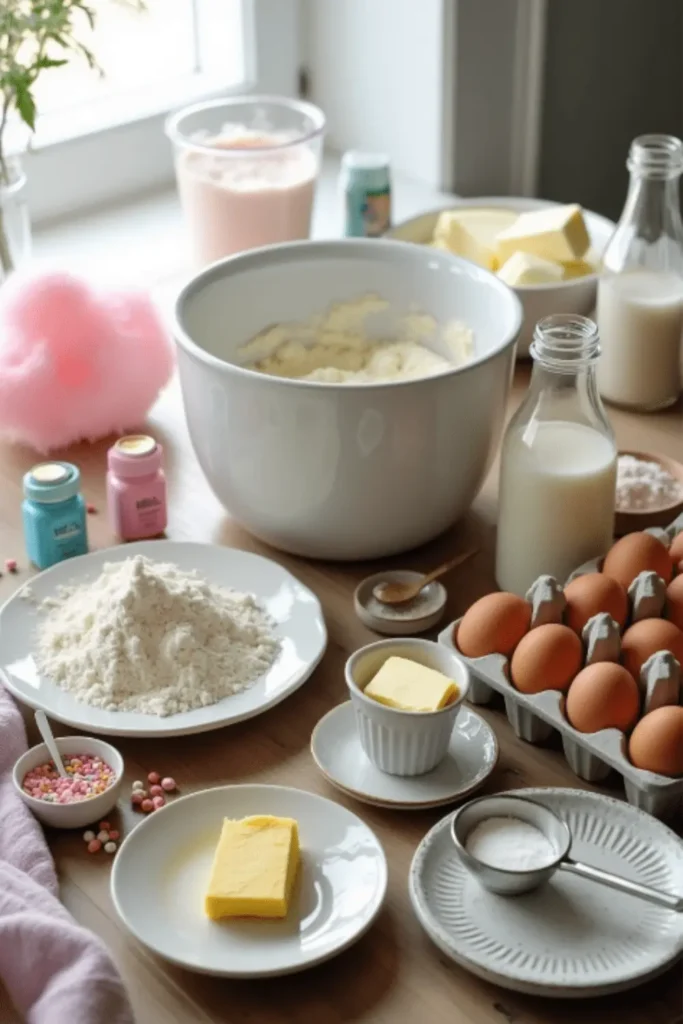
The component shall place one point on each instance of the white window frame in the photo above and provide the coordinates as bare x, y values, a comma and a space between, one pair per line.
69, 174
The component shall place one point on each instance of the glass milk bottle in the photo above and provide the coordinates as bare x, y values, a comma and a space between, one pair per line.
558, 462
640, 294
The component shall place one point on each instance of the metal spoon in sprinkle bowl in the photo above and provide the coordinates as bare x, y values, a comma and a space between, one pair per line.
49, 741
398, 593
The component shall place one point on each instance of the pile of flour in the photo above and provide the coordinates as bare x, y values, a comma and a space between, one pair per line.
147, 637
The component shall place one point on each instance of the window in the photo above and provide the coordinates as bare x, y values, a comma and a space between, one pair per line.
149, 54
100, 138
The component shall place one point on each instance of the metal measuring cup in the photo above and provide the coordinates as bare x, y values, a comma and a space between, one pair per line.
514, 881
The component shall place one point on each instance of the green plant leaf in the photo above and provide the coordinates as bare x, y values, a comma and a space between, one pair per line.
26, 106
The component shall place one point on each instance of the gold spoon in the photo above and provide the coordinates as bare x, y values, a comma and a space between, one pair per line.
398, 593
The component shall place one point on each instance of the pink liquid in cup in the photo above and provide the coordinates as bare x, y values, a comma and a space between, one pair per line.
236, 203
246, 169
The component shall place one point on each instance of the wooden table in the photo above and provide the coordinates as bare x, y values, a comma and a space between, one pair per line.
394, 975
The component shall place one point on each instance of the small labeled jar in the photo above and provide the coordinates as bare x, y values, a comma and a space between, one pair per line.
136, 488
53, 513
366, 185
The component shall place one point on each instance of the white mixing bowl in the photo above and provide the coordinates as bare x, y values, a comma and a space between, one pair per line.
574, 296
343, 471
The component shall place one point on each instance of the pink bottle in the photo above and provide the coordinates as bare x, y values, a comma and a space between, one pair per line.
136, 488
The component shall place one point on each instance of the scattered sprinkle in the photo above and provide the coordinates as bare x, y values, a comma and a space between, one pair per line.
94, 846
103, 836
154, 778
104, 826
91, 509
114, 834
156, 791
88, 836
137, 797
138, 785
11, 564
168, 784
158, 802
110, 847
147, 805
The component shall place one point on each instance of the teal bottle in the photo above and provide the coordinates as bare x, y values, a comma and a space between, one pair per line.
54, 514
367, 194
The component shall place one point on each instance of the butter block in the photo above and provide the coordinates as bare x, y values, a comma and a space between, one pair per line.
558, 233
471, 232
254, 868
523, 269
409, 686
590, 264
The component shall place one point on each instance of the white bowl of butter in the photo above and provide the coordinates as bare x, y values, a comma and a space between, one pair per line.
406, 696
345, 399
544, 284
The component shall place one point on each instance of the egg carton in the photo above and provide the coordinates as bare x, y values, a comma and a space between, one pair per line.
666, 535
591, 756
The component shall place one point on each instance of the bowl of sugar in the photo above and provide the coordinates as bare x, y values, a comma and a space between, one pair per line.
649, 491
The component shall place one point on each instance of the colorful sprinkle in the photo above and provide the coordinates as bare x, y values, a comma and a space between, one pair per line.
87, 776
103, 836
91, 509
94, 846
104, 826
158, 802
138, 785
156, 791
147, 805
110, 847
114, 834
11, 564
88, 836
168, 784
154, 778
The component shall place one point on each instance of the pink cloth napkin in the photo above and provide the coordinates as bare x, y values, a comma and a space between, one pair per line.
54, 971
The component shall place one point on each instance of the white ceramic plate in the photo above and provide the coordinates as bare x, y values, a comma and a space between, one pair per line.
471, 758
294, 608
572, 937
161, 871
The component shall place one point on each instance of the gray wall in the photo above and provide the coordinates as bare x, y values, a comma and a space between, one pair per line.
613, 70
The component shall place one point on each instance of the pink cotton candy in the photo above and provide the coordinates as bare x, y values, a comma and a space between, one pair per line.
76, 363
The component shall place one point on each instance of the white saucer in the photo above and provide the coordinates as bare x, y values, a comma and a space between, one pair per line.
471, 758
160, 874
294, 609
571, 938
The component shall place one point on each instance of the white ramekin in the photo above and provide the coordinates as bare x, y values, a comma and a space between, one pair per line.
82, 812
404, 742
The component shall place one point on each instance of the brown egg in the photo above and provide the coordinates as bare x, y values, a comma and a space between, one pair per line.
635, 553
645, 638
656, 743
676, 549
494, 625
593, 593
674, 601
603, 696
547, 658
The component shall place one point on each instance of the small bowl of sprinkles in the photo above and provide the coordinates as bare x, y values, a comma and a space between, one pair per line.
87, 794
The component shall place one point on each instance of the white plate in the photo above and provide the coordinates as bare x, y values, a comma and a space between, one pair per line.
571, 938
294, 608
161, 871
472, 756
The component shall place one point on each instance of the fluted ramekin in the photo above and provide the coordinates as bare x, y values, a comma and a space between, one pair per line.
404, 742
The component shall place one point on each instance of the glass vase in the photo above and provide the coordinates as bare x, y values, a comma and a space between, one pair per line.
15, 226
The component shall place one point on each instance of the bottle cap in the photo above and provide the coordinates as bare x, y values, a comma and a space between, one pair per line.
369, 170
50, 482
135, 445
